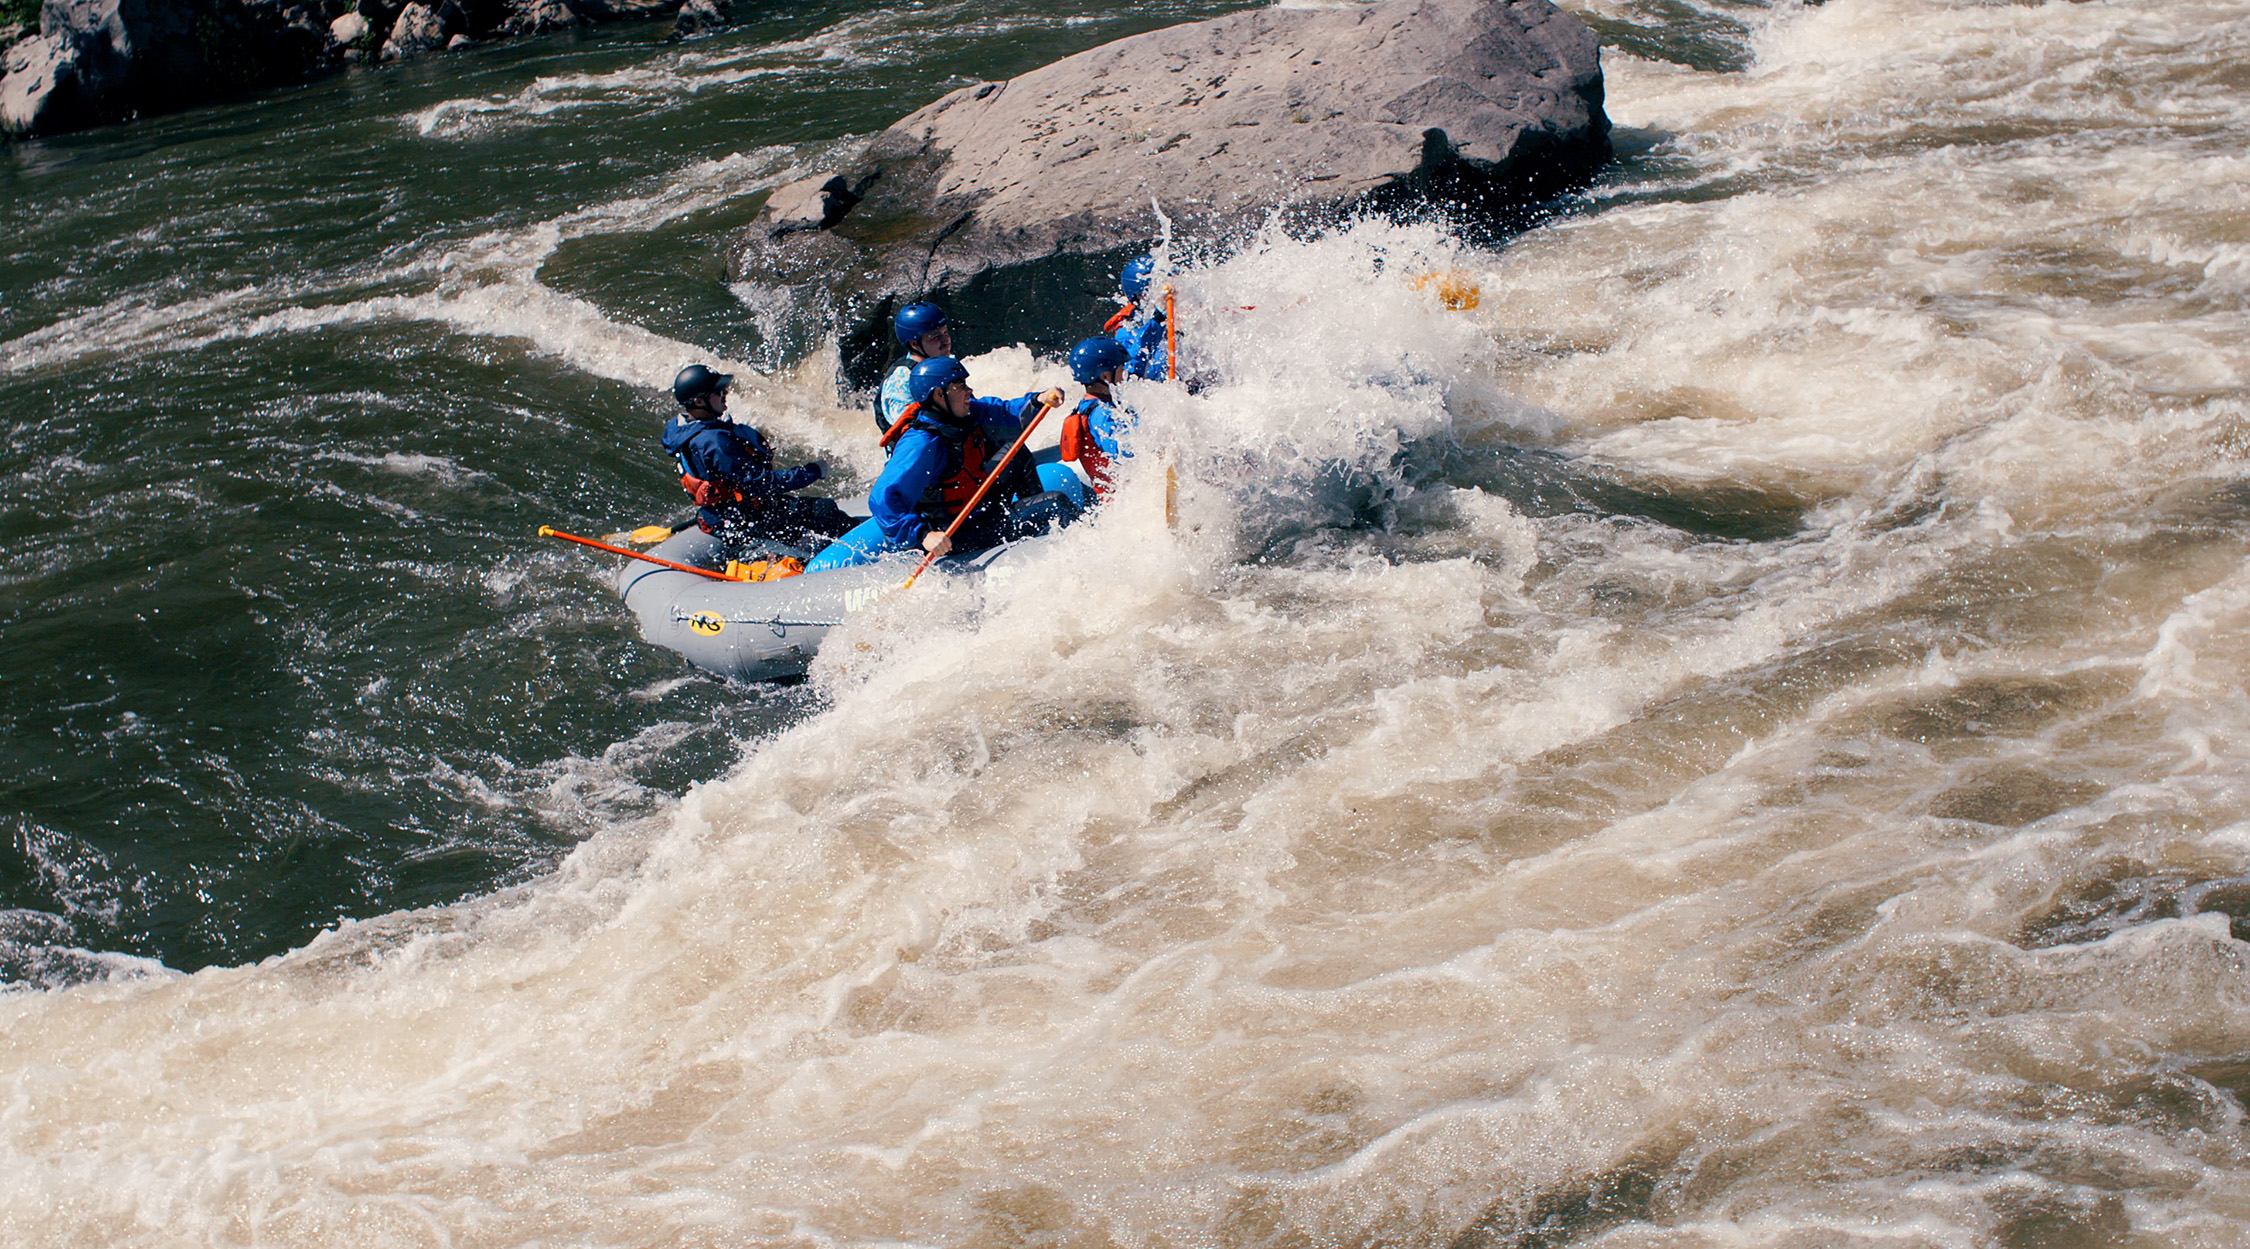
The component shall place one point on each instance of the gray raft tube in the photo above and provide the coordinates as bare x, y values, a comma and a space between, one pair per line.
755, 630
769, 630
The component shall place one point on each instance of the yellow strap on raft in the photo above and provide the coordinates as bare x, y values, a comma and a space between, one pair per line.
764, 569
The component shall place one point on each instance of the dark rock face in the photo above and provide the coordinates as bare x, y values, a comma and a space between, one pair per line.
1465, 108
95, 61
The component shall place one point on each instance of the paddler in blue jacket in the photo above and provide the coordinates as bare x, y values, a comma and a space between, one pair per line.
942, 449
925, 333
728, 469
1141, 331
1092, 435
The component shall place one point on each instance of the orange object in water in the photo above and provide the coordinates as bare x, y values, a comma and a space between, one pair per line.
1171, 338
1455, 290
765, 569
1123, 315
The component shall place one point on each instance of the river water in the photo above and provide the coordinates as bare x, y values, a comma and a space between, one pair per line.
1736, 739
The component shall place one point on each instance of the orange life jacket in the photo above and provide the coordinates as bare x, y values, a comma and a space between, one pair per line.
1078, 444
950, 492
718, 492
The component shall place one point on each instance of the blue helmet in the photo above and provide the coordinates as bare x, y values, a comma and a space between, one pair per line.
1134, 281
915, 320
933, 374
1095, 356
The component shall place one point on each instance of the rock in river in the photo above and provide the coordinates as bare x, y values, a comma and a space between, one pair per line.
95, 61
1470, 108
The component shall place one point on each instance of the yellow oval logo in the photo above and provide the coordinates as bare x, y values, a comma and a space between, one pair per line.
706, 623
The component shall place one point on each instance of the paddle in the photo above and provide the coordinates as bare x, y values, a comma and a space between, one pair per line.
978, 497
1171, 338
549, 531
649, 533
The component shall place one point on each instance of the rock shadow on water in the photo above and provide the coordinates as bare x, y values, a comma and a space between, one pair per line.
1294, 502
1540, 483
1572, 1212
2121, 893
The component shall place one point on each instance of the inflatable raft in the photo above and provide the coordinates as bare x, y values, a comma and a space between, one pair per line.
755, 630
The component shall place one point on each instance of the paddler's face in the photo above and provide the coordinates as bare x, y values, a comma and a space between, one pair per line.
938, 342
955, 398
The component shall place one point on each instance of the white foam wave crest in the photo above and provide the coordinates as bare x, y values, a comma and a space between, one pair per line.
487, 285
666, 83
858, 43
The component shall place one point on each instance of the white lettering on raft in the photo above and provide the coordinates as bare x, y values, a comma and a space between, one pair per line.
861, 597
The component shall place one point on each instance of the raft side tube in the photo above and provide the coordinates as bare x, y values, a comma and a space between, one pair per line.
755, 630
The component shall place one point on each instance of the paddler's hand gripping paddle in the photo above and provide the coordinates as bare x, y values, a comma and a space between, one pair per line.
978, 497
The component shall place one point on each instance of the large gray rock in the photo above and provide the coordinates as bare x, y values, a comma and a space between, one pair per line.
538, 17
1470, 108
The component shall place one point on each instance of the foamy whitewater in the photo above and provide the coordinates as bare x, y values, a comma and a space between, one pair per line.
1737, 740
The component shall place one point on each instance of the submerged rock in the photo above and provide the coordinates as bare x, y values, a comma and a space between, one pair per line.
538, 17
1466, 108
698, 17
419, 29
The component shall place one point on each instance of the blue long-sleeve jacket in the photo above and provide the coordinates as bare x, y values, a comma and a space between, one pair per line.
1105, 422
734, 455
922, 459
1143, 340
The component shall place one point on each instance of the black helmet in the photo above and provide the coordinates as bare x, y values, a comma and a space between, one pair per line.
696, 381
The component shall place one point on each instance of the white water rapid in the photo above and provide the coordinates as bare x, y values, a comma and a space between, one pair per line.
1736, 740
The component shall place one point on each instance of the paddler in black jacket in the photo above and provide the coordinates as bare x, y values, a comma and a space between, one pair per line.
728, 469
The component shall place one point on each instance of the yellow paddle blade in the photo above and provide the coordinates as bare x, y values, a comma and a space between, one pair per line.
645, 534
